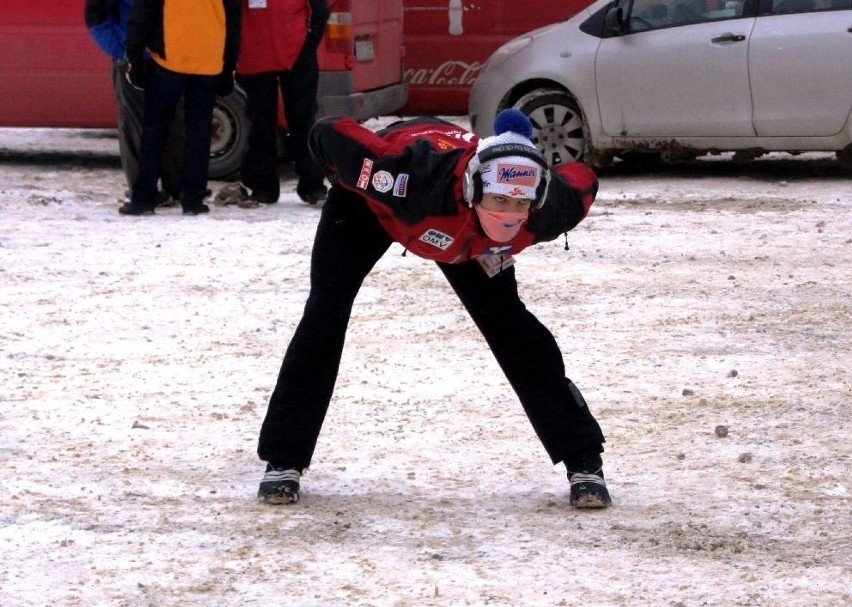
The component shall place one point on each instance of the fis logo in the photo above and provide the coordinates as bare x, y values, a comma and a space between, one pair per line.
364, 177
382, 181
437, 239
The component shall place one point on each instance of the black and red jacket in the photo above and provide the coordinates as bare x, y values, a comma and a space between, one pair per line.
411, 174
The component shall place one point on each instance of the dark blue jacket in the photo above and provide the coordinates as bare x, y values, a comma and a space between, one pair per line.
107, 23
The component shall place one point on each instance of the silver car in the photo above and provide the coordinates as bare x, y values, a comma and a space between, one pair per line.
679, 78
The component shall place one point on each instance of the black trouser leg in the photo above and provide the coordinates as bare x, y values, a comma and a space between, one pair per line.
163, 90
529, 356
200, 98
259, 170
348, 243
299, 91
131, 113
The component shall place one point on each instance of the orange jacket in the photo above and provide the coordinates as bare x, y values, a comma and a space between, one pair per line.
186, 36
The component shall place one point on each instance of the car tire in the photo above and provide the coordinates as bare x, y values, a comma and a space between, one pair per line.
229, 139
559, 130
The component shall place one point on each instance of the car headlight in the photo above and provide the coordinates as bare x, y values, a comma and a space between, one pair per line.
509, 49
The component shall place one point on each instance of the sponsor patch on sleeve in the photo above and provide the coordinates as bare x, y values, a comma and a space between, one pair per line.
437, 238
382, 181
400, 187
364, 177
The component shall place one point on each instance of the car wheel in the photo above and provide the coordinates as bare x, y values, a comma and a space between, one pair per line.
558, 129
229, 141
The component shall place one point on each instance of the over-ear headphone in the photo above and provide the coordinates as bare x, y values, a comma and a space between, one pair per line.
472, 179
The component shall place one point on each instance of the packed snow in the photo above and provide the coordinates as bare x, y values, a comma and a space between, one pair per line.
703, 310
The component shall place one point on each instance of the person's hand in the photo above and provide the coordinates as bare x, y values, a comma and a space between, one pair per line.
226, 84
136, 73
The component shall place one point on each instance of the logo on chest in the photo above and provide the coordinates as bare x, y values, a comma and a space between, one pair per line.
382, 181
364, 177
436, 239
498, 250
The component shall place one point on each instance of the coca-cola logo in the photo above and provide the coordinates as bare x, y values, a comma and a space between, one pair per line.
449, 73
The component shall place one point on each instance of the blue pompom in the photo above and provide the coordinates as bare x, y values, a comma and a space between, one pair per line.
514, 120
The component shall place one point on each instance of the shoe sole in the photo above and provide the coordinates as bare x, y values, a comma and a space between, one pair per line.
135, 213
278, 499
591, 501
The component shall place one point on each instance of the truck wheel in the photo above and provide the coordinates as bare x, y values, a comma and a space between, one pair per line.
229, 141
558, 129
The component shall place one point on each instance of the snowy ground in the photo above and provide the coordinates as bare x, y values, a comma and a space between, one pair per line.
138, 355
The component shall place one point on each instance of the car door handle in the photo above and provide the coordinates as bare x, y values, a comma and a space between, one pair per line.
728, 38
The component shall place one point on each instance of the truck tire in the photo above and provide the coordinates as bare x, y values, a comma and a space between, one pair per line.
229, 140
559, 131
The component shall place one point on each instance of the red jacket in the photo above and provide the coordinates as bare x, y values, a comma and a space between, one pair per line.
410, 174
273, 35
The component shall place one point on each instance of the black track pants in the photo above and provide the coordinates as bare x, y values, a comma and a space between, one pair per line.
349, 241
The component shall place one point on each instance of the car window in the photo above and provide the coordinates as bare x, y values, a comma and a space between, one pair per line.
654, 14
805, 6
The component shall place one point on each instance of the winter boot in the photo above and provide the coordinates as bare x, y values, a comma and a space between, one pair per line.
588, 487
279, 485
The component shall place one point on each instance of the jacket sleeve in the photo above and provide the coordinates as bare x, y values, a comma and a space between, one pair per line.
145, 17
104, 22
412, 181
320, 13
572, 190
233, 19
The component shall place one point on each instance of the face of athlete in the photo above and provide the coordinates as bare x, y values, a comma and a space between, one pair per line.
501, 217
505, 204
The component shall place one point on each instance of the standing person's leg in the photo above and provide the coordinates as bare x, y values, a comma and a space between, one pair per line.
259, 170
171, 168
199, 99
162, 91
348, 243
131, 113
299, 90
530, 357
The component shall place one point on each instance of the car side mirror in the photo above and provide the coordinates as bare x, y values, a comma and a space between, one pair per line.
614, 21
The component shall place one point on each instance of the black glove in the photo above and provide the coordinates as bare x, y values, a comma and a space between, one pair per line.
226, 84
135, 70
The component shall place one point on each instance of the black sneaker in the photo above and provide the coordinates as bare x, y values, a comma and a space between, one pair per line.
128, 208
313, 195
197, 209
279, 485
588, 487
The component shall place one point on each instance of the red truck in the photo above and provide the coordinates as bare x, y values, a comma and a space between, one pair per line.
448, 41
